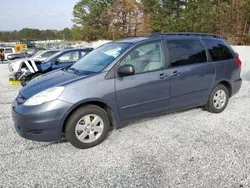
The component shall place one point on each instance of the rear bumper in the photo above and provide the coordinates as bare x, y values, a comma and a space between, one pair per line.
236, 85
40, 123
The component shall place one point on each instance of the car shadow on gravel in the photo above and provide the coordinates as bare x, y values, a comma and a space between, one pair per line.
63, 140
155, 116
246, 76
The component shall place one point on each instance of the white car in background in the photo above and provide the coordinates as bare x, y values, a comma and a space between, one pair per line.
40, 55
7, 51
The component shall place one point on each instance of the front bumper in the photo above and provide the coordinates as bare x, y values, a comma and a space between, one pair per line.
19, 75
40, 123
13, 74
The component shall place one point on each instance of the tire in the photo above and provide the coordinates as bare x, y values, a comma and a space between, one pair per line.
26, 80
80, 126
217, 101
35, 75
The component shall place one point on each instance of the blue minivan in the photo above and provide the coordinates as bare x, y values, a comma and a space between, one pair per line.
126, 80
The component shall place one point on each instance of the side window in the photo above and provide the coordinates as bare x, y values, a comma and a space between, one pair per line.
8, 50
186, 52
83, 53
145, 58
69, 57
218, 50
48, 54
74, 56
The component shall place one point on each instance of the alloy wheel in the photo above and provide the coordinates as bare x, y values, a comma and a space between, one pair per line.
219, 99
89, 128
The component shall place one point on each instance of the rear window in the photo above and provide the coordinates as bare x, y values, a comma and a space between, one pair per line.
186, 52
218, 50
8, 50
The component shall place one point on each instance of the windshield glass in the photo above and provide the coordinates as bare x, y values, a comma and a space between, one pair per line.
100, 58
37, 53
53, 56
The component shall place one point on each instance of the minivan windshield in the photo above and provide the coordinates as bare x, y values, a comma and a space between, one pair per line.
100, 58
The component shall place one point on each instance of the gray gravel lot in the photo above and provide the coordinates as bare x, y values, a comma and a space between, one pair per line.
187, 149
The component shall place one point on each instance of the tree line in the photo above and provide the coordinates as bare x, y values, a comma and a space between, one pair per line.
36, 34
114, 19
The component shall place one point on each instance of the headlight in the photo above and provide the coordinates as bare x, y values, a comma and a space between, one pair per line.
44, 96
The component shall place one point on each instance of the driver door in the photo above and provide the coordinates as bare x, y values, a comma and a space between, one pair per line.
66, 59
147, 91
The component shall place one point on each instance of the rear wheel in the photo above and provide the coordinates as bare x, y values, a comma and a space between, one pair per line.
87, 127
218, 99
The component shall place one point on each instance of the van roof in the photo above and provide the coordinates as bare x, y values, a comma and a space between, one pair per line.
174, 35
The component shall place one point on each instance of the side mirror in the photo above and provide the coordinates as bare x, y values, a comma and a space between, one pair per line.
126, 70
56, 62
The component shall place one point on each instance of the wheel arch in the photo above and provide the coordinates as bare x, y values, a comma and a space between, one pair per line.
98, 103
227, 85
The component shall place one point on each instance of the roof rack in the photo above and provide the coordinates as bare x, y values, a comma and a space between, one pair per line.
186, 34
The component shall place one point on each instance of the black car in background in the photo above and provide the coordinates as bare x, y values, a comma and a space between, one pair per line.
27, 53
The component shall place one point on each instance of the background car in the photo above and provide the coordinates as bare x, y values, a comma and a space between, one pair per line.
7, 51
40, 55
27, 53
32, 69
43, 55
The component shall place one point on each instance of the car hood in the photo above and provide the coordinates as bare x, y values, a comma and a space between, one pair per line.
52, 79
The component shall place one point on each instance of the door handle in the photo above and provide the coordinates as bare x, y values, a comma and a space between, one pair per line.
175, 73
162, 76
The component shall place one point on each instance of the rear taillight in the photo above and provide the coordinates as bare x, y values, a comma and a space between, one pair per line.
238, 61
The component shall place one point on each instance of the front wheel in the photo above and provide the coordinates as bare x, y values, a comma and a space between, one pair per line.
26, 80
35, 76
218, 99
87, 127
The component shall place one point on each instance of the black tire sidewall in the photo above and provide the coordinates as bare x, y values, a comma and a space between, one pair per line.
27, 79
23, 82
76, 116
211, 106
35, 75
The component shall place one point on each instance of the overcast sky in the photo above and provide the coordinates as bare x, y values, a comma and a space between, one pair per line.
37, 14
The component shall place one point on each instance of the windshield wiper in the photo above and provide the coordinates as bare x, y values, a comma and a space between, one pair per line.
74, 70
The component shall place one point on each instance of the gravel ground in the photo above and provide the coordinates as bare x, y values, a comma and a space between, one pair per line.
193, 148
